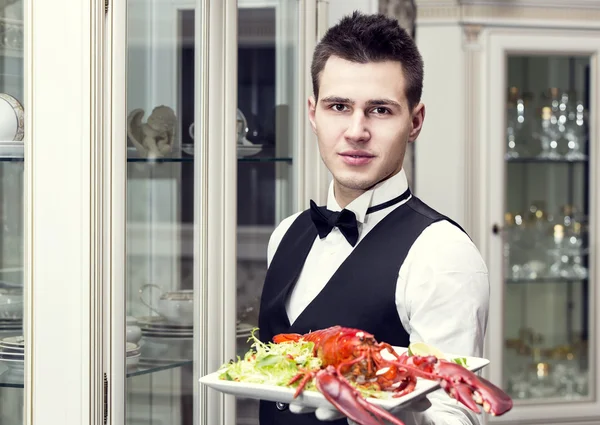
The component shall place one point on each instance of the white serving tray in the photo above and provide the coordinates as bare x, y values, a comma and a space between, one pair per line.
315, 399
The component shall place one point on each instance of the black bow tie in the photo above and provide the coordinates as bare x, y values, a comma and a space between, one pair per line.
345, 220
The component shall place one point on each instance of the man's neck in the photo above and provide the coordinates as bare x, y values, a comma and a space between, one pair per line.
344, 195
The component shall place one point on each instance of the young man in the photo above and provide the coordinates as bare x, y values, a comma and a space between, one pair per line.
405, 272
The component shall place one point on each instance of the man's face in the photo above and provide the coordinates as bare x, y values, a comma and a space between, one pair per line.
363, 122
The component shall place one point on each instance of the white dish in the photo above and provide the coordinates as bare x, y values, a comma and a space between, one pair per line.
248, 150
12, 119
14, 340
188, 148
160, 323
133, 361
131, 346
166, 335
11, 349
162, 329
315, 399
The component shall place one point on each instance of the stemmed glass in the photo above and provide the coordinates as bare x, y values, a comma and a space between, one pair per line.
515, 123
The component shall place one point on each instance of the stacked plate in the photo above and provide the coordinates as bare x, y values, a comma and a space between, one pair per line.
11, 327
158, 327
164, 343
12, 354
243, 330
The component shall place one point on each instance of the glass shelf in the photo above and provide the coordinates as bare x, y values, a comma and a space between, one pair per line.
144, 370
10, 379
11, 159
545, 280
536, 160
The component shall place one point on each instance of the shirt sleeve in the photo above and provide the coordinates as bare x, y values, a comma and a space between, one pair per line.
443, 300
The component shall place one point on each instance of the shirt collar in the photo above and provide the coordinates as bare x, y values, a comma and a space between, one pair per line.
382, 192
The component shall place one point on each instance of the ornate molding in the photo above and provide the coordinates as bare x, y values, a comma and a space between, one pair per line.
561, 4
403, 10
530, 13
513, 13
471, 35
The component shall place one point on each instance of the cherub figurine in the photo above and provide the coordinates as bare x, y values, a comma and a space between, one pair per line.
155, 138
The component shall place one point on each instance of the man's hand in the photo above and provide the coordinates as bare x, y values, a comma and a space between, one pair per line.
331, 414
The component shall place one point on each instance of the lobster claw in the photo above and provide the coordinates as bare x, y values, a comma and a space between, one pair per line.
471, 390
349, 401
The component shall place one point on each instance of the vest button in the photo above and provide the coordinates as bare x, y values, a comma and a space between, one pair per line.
281, 406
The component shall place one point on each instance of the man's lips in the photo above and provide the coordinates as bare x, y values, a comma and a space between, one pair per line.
356, 157
357, 153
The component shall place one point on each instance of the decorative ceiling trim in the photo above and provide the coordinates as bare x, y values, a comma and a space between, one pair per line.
508, 15
561, 4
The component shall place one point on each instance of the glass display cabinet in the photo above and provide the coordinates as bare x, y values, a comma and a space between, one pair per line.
546, 230
542, 252
12, 213
139, 186
214, 113
523, 142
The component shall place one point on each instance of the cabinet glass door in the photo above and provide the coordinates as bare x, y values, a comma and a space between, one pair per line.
268, 101
160, 213
11, 213
546, 233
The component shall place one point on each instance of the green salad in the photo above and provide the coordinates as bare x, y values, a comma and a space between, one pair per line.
274, 364
277, 364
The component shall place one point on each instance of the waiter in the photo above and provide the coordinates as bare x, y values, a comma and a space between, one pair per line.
375, 257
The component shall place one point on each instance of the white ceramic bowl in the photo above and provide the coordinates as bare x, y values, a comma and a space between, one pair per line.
134, 332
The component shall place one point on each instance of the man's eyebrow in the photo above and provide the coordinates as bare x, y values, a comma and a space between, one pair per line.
372, 102
337, 99
383, 102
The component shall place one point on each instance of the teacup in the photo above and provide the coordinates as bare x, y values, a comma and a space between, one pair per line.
175, 306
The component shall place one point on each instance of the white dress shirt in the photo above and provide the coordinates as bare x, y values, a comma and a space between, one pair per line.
442, 294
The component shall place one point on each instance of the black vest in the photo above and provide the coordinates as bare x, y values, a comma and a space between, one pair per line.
361, 294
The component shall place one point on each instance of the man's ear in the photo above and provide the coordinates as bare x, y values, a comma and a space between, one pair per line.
312, 108
418, 116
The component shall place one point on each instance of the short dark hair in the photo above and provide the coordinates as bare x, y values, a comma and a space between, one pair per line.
371, 38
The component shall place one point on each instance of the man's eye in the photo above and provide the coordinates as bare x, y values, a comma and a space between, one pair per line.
381, 110
339, 107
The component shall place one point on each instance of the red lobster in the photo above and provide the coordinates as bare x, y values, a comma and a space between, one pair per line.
352, 354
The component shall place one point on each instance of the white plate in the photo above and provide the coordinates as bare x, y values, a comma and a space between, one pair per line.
248, 150
12, 121
315, 399
161, 336
18, 340
158, 322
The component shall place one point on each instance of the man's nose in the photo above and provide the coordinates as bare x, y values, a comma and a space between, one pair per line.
357, 130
